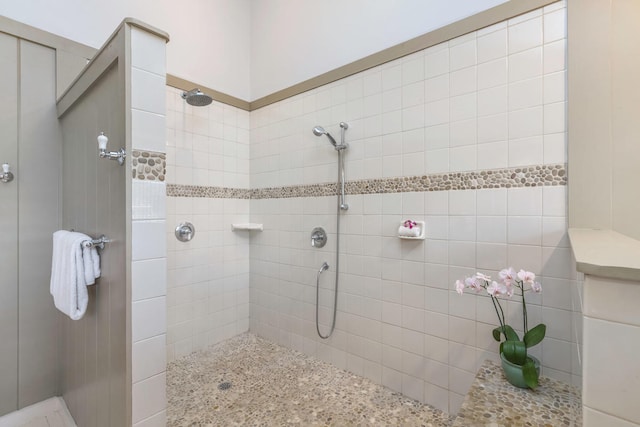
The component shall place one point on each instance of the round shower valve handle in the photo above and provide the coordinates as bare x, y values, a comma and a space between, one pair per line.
185, 231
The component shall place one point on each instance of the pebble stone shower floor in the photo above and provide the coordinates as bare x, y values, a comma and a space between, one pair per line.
275, 386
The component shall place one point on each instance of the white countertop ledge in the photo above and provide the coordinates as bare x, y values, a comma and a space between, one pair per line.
606, 253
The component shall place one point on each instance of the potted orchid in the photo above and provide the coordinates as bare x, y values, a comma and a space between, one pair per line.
521, 369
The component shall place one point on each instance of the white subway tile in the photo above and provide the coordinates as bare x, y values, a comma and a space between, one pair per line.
147, 92
148, 51
554, 201
148, 397
555, 56
413, 94
148, 278
555, 25
148, 131
493, 128
492, 73
463, 107
148, 318
463, 81
148, 200
492, 229
526, 151
148, 240
464, 132
436, 62
554, 118
436, 88
463, 55
555, 148
612, 300
436, 137
413, 70
157, 420
463, 158
525, 65
525, 94
525, 35
526, 123
524, 230
593, 417
492, 101
492, 45
493, 155
148, 358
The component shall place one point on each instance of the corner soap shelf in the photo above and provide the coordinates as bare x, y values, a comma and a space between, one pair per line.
422, 235
248, 226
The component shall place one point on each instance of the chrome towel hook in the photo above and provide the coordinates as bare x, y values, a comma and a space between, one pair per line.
6, 175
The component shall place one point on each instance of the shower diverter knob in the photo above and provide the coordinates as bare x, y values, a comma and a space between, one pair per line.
185, 231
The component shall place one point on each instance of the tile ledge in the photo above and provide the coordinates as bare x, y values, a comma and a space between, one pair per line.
492, 401
606, 253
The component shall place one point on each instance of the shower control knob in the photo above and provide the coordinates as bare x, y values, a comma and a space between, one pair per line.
185, 231
318, 237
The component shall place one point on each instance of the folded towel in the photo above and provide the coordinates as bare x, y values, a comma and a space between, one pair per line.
68, 279
409, 232
91, 264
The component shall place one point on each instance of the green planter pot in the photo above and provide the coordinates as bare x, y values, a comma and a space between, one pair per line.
513, 372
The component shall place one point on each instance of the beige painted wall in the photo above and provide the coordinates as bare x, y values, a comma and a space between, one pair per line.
93, 350
30, 143
603, 109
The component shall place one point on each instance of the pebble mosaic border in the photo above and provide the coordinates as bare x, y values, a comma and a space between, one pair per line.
177, 190
527, 176
148, 165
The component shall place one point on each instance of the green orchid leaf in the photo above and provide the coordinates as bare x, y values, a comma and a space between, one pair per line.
535, 335
496, 333
515, 352
509, 333
530, 374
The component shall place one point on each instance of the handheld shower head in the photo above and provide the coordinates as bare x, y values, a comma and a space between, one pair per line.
319, 131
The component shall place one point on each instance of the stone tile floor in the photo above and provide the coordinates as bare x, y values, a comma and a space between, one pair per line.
276, 386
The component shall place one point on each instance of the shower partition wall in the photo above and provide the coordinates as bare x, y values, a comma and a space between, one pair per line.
110, 370
30, 214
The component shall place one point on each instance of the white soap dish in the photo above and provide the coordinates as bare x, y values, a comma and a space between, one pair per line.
248, 226
422, 235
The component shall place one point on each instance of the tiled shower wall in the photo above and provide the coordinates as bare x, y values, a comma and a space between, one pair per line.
208, 277
491, 99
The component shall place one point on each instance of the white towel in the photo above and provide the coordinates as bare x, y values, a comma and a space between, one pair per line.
91, 264
68, 279
409, 232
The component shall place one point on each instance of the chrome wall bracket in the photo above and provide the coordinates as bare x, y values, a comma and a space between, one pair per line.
6, 175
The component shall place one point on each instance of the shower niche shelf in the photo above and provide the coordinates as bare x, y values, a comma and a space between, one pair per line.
422, 235
247, 226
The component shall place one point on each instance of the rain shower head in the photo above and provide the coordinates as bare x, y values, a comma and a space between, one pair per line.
319, 131
196, 98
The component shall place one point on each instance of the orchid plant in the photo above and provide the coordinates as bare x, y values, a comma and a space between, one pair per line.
513, 348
